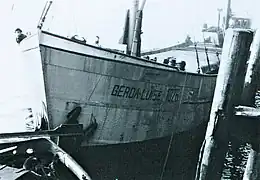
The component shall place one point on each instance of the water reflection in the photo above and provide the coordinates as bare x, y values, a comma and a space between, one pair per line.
236, 158
235, 162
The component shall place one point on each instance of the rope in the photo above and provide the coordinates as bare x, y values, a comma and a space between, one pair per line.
171, 139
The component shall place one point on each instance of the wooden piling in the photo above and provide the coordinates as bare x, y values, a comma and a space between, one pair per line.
227, 93
252, 170
247, 112
252, 73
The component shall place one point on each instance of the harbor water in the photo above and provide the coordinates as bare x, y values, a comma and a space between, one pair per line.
235, 162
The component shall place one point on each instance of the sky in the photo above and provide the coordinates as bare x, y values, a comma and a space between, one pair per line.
165, 22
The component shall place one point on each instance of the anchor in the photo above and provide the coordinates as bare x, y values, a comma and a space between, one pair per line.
69, 143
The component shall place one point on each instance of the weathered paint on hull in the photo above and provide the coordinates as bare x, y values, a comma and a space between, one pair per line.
138, 104
145, 160
130, 102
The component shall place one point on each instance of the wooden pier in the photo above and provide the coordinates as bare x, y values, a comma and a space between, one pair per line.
233, 112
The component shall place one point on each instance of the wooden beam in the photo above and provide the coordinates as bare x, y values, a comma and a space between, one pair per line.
62, 130
227, 93
252, 170
247, 112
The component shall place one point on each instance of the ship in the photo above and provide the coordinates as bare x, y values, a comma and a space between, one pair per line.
147, 118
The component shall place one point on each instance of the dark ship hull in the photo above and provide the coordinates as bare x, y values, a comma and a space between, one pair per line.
147, 159
150, 117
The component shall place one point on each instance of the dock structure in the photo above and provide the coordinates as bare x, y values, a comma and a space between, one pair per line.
252, 114
227, 96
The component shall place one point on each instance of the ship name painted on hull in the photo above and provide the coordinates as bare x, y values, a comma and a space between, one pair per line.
172, 94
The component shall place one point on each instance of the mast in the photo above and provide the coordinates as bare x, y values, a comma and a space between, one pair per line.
219, 11
136, 44
132, 23
228, 15
133, 29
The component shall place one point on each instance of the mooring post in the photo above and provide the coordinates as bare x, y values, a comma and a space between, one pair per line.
252, 74
227, 93
252, 171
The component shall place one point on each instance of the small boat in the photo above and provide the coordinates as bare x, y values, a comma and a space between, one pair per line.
34, 156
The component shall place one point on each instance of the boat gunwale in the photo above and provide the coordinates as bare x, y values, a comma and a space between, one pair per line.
118, 53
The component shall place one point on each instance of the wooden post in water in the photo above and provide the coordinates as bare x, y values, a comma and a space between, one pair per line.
252, 74
227, 93
252, 171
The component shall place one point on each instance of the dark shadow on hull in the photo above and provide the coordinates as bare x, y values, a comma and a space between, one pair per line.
145, 160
